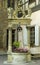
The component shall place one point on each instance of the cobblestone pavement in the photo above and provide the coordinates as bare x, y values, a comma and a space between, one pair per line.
4, 58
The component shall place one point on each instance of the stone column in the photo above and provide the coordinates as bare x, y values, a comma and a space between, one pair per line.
1, 3
28, 46
4, 3
15, 4
23, 5
29, 12
26, 5
10, 45
10, 13
28, 36
16, 34
37, 2
37, 35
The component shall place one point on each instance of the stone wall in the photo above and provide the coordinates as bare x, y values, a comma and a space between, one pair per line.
35, 18
3, 24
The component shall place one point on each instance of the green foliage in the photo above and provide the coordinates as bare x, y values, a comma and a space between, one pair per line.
16, 44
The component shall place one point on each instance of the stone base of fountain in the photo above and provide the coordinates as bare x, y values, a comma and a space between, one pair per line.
18, 58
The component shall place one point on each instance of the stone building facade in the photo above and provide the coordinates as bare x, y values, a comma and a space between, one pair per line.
3, 23
9, 16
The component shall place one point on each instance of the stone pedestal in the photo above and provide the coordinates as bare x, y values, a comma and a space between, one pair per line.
9, 58
24, 35
28, 57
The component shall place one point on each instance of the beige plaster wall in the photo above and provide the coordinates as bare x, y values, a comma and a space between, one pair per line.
35, 18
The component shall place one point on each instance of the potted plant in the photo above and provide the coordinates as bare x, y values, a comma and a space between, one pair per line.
16, 45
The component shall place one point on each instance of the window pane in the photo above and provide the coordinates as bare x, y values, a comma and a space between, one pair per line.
8, 1
31, 1
11, 3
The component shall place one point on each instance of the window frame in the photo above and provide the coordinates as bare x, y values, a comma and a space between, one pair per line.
32, 1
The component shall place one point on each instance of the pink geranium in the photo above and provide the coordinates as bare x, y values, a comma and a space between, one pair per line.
21, 50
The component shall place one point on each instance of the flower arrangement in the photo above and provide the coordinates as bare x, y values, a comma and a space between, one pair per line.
22, 50
16, 48
16, 44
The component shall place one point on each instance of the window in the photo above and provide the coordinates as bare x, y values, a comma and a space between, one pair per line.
31, 1
32, 36
39, 2
8, 3
11, 3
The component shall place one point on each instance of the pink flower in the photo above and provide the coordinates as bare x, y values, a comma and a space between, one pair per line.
22, 49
